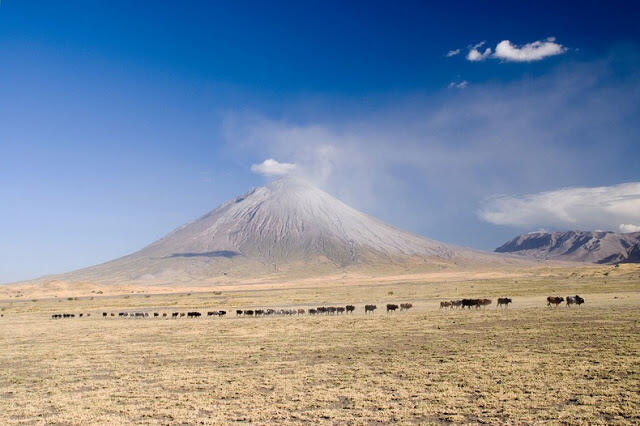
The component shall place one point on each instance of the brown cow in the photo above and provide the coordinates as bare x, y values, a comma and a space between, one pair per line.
445, 304
485, 302
554, 300
405, 306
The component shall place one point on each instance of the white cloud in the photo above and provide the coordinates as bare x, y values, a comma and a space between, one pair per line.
460, 85
530, 52
476, 55
453, 53
442, 154
271, 167
629, 227
604, 207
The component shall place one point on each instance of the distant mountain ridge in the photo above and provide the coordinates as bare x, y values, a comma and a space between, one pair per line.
286, 227
578, 246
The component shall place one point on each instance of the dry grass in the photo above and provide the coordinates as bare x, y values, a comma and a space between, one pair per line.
525, 364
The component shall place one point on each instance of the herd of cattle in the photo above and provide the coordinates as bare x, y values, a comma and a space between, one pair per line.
326, 310
504, 302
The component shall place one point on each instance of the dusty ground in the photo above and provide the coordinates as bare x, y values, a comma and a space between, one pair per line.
525, 364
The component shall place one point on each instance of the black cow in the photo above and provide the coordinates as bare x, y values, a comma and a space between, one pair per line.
468, 303
574, 299
503, 301
369, 308
391, 307
350, 309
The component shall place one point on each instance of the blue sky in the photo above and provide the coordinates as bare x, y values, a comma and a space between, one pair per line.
121, 120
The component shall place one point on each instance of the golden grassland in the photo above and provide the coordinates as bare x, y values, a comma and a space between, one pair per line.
524, 364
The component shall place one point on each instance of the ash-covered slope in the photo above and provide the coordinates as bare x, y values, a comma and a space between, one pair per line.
578, 246
286, 226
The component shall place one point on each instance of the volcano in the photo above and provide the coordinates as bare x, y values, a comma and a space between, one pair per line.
288, 227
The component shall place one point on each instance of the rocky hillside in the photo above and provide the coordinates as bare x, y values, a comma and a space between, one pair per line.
579, 246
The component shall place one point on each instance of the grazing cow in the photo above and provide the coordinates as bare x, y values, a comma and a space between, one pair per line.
391, 307
322, 310
80, 315
456, 304
574, 299
340, 309
211, 313
104, 314
181, 314
350, 309
164, 314
156, 315
249, 312
445, 304
175, 314
470, 302
259, 312
405, 306
554, 300
369, 308
312, 311
503, 301
238, 312
222, 313
332, 309
301, 311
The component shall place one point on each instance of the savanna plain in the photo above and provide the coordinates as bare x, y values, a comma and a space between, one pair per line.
525, 364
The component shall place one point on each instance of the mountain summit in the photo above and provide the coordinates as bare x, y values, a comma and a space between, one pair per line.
288, 226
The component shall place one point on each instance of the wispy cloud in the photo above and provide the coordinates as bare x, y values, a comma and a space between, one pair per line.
530, 52
607, 207
475, 55
271, 167
458, 85
507, 51
453, 53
